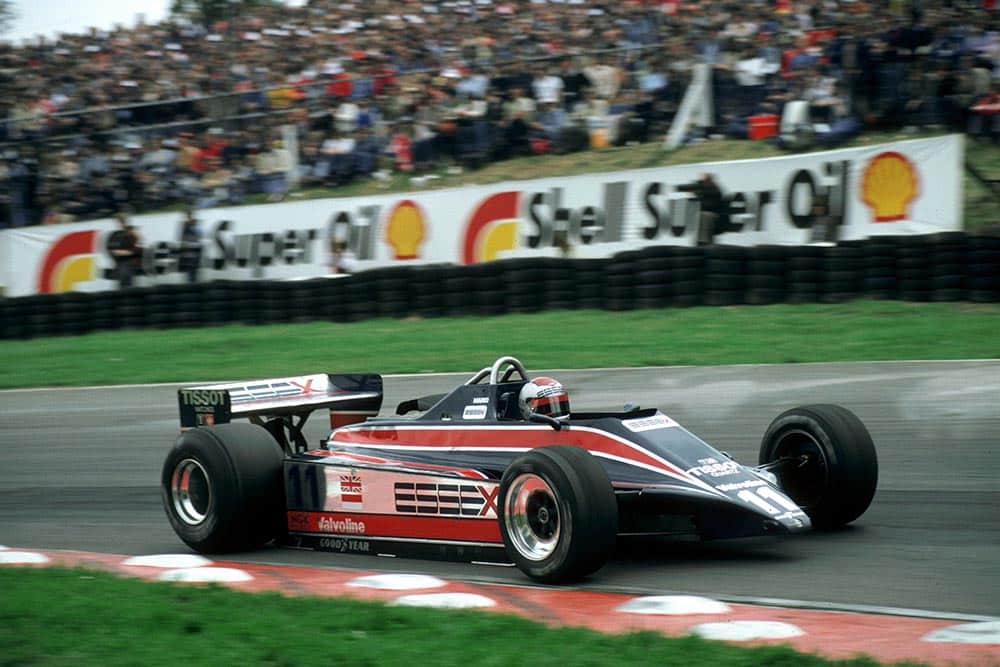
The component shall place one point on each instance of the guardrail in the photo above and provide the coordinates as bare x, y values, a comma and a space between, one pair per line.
950, 266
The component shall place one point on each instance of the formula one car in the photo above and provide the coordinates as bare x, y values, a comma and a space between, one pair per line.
478, 474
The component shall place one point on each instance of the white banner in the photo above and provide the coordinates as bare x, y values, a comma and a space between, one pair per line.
907, 187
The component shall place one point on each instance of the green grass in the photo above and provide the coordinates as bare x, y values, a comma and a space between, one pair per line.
857, 331
75, 617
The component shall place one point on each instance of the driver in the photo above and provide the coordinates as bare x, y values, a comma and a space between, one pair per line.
544, 396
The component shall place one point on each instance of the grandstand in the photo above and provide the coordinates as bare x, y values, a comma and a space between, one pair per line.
272, 98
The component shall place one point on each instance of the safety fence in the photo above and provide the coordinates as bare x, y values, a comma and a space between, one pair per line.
950, 266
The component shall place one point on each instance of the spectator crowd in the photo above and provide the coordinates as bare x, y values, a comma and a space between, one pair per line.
275, 97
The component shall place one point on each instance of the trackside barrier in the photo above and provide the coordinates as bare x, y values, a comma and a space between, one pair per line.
949, 266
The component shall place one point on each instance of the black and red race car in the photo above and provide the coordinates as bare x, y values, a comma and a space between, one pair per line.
472, 477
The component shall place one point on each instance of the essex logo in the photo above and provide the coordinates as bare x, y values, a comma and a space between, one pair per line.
889, 185
70, 260
406, 229
492, 228
446, 499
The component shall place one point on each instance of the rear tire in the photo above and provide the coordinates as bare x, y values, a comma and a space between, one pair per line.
837, 482
558, 514
223, 489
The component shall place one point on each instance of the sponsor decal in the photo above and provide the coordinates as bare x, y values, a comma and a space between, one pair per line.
714, 468
327, 524
481, 400
351, 491
649, 423
446, 499
405, 229
344, 545
203, 397
492, 228
474, 412
889, 185
70, 260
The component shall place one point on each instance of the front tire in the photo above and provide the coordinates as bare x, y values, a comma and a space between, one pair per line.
223, 489
558, 514
836, 472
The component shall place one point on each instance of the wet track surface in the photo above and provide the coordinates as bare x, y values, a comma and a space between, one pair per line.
79, 469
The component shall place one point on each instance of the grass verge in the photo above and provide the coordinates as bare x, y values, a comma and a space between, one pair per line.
63, 616
856, 331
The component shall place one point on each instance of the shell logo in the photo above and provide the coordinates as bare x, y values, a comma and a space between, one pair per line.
406, 229
70, 260
492, 228
888, 186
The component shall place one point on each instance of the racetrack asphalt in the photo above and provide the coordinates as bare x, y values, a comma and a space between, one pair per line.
79, 469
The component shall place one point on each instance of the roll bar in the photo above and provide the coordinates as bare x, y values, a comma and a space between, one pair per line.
493, 372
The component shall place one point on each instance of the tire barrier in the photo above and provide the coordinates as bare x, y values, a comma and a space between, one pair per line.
951, 266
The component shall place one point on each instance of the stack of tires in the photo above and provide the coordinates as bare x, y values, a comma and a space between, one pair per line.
524, 285
333, 302
653, 277
461, 287
806, 268
34, 316
172, 306
560, 288
913, 268
390, 290
983, 269
725, 275
948, 261
878, 279
766, 269
487, 295
620, 281
75, 313
588, 282
687, 270
218, 302
427, 291
270, 303
843, 279
361, 292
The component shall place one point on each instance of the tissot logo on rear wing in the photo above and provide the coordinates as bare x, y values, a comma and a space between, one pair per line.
350, 398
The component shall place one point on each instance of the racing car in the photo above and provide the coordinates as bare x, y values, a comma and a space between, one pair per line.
498, 469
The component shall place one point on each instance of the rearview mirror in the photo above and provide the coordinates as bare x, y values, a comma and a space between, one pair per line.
545, 419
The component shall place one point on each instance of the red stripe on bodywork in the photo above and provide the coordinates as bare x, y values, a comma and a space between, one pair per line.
414, 527
381, 461
514, 438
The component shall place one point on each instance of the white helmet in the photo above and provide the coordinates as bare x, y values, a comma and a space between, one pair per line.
544, 396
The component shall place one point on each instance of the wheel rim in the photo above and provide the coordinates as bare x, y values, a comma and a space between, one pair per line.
805, 483
190, 492
531, 517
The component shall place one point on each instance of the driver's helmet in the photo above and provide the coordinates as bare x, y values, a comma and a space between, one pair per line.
544, 396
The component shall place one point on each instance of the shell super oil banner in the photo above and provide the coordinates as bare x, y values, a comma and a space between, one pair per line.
906, 187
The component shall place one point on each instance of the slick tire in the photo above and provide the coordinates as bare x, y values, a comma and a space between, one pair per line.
558, 514
835, 481
222, 488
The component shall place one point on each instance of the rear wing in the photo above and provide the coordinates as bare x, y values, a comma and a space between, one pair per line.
349, 398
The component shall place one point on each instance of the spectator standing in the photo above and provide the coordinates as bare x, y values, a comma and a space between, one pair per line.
713, 218
126, 249
272, 167
190, 241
